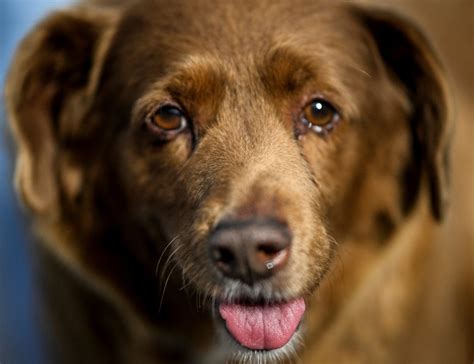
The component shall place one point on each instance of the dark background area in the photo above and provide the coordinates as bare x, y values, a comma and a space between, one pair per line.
450, 24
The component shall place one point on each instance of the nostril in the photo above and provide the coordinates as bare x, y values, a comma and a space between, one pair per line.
271, 255
223, 255
268, 249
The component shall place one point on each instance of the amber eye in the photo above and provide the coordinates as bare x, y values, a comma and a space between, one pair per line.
168, 118
320, 116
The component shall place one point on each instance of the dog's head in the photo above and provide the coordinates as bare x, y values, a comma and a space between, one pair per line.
239, 140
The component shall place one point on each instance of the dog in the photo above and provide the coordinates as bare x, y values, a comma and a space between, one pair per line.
251, 181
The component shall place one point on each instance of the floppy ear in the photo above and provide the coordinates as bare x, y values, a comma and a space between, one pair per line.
410, 59
49, 90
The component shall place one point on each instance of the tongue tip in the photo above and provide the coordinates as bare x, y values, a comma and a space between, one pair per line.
263, 327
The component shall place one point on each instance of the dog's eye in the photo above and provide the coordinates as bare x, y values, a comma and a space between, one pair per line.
168, 118
320, 116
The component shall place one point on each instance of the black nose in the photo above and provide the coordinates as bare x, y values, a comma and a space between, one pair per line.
250, 249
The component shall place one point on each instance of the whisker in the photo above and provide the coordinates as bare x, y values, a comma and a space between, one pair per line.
163, 253
168, 262
164, 288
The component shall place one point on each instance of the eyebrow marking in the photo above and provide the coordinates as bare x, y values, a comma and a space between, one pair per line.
198, 78
285, 71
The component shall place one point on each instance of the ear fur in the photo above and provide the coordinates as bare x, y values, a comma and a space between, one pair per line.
411, 60
49, 89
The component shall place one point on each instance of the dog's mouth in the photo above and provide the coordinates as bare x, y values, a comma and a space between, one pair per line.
262, 326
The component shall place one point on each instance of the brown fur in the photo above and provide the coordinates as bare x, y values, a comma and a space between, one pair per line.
116, 209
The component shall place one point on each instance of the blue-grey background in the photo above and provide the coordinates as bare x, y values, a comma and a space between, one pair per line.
19, 339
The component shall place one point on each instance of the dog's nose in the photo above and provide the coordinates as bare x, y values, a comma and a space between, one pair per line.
250, 249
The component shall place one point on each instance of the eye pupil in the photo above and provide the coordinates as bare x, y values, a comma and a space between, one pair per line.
320, 110
169, 111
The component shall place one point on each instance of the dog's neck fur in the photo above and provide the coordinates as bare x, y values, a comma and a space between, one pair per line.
370, 289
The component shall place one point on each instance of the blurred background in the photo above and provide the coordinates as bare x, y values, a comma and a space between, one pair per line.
450, 26
19, 338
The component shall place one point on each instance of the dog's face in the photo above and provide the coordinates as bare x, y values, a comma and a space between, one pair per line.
242, 140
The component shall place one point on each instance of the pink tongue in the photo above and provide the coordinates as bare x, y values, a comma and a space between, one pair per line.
263, 327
